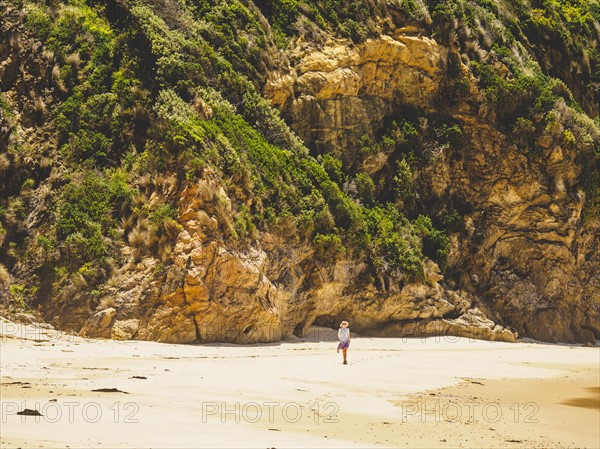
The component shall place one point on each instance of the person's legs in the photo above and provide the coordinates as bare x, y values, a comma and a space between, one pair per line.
344, 352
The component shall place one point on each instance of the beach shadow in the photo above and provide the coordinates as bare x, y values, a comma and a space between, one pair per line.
592, 401
315, 334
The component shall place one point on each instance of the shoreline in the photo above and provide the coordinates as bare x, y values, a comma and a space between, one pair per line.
293, 394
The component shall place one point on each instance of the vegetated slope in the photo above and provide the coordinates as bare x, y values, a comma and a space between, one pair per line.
150, 190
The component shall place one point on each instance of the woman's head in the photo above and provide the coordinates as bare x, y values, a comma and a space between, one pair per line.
344, 324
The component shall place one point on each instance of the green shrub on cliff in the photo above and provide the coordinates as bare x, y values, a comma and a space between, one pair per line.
86, 212
38, 21
365, 187
391, 242
83, 204
283, 15
513, 97
564, 17
436, 244
403, 179
328, 247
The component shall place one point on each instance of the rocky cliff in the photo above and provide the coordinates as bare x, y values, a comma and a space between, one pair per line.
525, 251
149, 191
273, 290
341, 92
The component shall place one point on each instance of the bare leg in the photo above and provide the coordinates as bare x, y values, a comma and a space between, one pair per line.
344, 352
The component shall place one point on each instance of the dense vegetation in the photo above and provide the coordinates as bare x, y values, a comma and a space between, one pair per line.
138, 98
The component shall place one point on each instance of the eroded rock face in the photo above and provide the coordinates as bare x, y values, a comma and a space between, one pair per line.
270, 291
337, 94
525, 254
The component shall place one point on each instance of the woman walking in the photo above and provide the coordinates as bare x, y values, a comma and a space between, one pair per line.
344, 338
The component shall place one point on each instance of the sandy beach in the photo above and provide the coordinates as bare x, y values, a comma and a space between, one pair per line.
411, 392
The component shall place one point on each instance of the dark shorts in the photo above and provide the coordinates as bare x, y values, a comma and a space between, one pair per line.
344, 344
